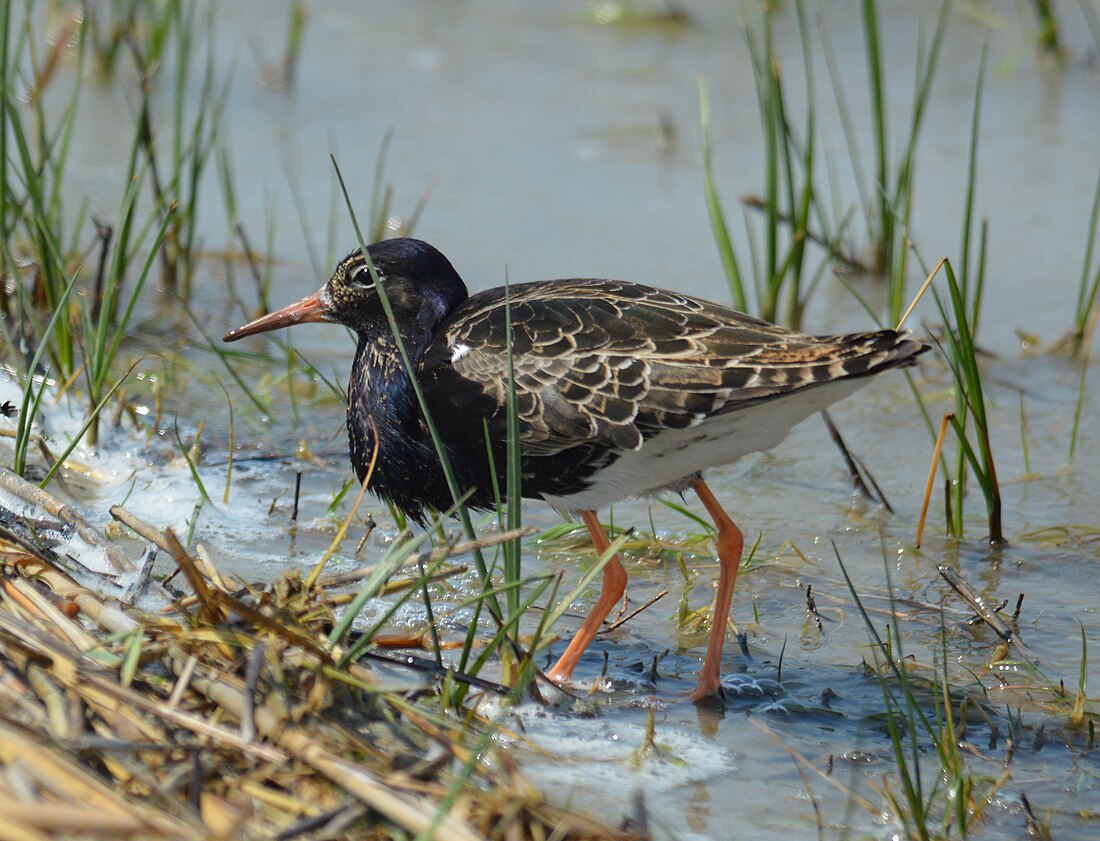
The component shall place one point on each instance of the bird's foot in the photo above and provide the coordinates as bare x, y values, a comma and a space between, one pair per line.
561, 673
558, 678
708, 691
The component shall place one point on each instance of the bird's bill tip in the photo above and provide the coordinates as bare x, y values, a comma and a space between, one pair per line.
302, 312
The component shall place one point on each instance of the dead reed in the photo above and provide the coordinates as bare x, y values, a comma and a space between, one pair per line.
221, 711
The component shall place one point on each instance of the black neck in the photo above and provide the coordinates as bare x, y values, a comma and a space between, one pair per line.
382, 408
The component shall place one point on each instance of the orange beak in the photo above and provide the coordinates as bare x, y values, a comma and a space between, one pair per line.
303, 312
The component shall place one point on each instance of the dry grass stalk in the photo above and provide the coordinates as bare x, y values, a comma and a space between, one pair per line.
228, 721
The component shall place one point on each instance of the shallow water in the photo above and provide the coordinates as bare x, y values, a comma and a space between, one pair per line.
556, 146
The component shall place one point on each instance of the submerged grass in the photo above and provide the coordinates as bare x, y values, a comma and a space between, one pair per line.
932, 794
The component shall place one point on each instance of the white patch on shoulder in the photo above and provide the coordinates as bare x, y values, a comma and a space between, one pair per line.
458, 351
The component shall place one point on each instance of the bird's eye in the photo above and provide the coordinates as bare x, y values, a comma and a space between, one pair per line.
360, 275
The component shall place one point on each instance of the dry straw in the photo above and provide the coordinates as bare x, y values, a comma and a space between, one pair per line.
222, 715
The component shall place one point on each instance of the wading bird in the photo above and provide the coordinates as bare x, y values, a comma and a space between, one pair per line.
622, 390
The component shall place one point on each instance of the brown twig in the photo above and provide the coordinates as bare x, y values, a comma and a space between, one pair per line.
618, 623
985, 611
940, 436
854, 471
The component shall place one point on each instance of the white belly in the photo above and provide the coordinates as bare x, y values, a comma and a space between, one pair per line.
672, 456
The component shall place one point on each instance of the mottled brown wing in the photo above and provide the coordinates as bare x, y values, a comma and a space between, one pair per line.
616, 362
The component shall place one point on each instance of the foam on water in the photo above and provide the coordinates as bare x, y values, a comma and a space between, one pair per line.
617, 746
146, 475
65, 541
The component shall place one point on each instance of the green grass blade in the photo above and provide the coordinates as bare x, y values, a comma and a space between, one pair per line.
452, 482
714, 208
31, 401
92, 417
512, 558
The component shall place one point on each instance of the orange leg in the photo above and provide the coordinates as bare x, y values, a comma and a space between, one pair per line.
614, 585
730, 546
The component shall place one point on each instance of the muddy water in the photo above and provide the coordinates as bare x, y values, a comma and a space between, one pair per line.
553, 145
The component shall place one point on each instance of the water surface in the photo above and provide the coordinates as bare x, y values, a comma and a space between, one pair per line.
553, 146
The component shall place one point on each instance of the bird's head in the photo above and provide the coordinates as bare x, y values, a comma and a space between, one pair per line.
419, 282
